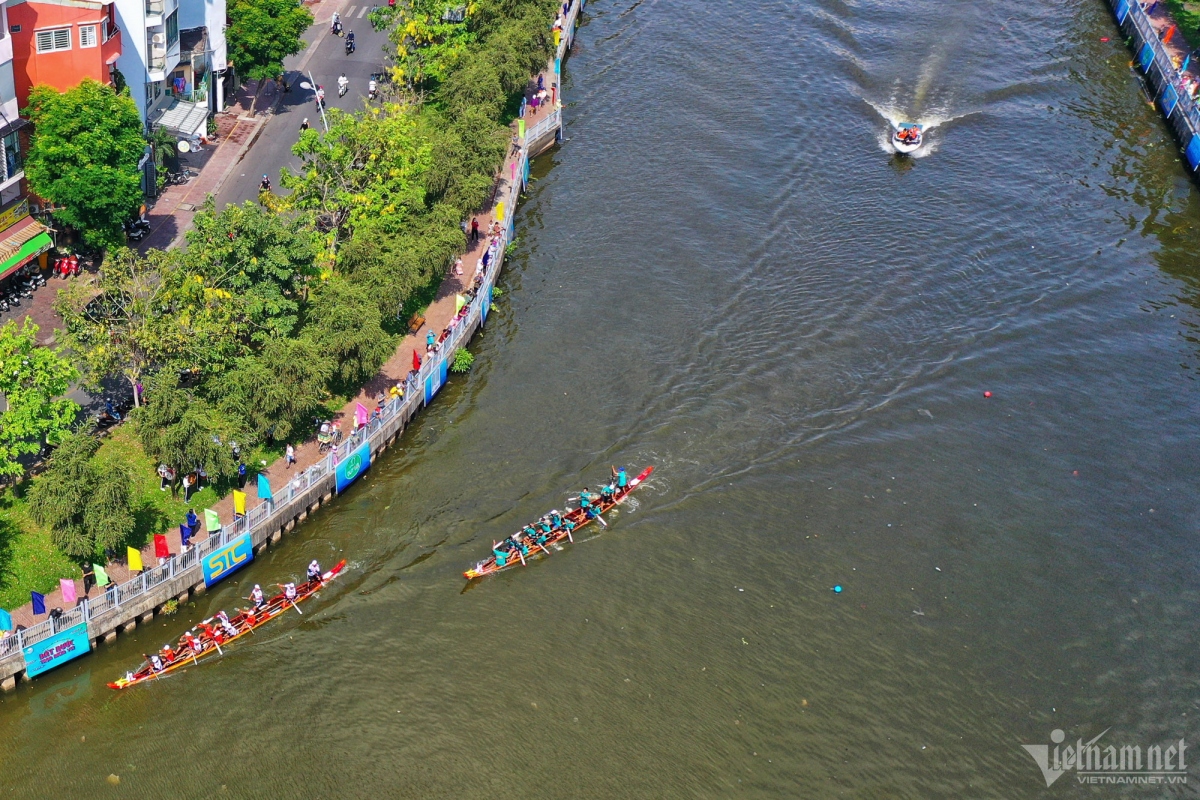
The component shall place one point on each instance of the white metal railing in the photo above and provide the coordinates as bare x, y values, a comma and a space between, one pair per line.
117, 595
1162, 60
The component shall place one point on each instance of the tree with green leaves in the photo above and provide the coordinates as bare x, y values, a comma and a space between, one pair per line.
276, 389
262, 33
83, 158
370, 166
85, 500
354, 340
263, 259
32, 381
147, 313
185, 432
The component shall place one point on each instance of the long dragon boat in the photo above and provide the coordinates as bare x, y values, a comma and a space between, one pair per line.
211, 634
572, 520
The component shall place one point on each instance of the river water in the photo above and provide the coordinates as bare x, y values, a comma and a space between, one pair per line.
722, 273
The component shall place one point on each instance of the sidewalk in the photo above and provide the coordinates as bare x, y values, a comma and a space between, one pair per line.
237, 129
437, 316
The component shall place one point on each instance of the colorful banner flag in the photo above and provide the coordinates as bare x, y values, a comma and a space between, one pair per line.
67, 587
416, 361
135, 559
102, 578
264, 488
39, 602
5, 620
500, 211
361, 414
161, 549
185, 535
521, 127
239, 502
212, 522
459, 302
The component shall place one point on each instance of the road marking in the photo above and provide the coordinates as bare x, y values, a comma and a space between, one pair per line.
362, 13
350, 11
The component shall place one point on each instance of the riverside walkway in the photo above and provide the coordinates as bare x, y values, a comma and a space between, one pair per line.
310, 482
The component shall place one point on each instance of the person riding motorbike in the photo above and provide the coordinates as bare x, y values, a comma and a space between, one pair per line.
265, 185
343, 84
372, 88
335, 25
350, 46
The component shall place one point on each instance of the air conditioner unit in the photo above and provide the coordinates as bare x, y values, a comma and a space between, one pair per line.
158, 40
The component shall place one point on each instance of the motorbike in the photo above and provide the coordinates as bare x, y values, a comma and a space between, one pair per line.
136, 232
342, 87
349, 46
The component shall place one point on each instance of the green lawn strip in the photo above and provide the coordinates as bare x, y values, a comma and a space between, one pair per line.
29, 561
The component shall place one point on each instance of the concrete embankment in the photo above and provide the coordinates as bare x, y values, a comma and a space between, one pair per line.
1161, 64
55, 641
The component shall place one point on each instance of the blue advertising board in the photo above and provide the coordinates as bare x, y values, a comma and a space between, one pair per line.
1170, 98
353, 465
1122, 10
57, 650
1146, 57
1193, 152
436, 380
230, 558
487, 304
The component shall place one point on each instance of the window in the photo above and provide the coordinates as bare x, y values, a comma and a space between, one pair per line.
13, 162
58, 39
173, 28
87, 35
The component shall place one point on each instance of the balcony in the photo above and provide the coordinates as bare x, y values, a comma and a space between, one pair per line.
155, 9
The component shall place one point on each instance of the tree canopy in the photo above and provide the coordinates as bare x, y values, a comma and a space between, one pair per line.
262, 33
85, 500
83, 157
32, 381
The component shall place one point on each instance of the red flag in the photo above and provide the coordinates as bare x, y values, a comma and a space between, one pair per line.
416, 360
1170, 32
160, 546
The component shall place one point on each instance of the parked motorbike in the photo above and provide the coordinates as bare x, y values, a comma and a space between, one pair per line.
135, 233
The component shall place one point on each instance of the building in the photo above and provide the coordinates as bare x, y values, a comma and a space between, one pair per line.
173, 59
61, 42
22, 238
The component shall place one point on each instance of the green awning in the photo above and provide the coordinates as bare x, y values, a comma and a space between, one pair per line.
33, 247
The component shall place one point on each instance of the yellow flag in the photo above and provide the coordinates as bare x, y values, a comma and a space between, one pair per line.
239, 502
500, 212
135, 559
459, 302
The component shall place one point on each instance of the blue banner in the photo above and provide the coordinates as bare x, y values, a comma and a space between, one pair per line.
1193, 152
57, 650
353, 465
1122, 10
486, 305
435, 381
1169, 99
230, 558
525, 178
1146, 57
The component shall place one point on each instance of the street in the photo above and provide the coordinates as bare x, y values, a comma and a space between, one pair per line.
272, 151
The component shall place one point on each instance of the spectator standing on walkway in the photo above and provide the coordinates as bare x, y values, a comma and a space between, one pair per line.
474, 230
290, 454
241, 475
188, 480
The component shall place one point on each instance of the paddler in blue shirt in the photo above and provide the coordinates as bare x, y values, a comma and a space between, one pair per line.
585, 503
618, 478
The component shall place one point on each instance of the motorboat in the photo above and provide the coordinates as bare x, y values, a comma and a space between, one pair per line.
907, 137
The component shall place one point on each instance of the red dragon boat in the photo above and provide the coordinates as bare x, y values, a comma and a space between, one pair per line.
210, 636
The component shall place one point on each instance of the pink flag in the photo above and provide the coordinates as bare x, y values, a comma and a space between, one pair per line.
360, 414
68, 590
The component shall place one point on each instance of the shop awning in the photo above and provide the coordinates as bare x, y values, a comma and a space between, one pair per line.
185, 120
34, 247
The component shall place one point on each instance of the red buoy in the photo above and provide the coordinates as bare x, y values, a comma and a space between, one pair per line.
987, 394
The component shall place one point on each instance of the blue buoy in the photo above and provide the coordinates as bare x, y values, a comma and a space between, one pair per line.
837, 589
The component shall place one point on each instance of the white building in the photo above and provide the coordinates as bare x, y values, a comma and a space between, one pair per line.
174, 60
